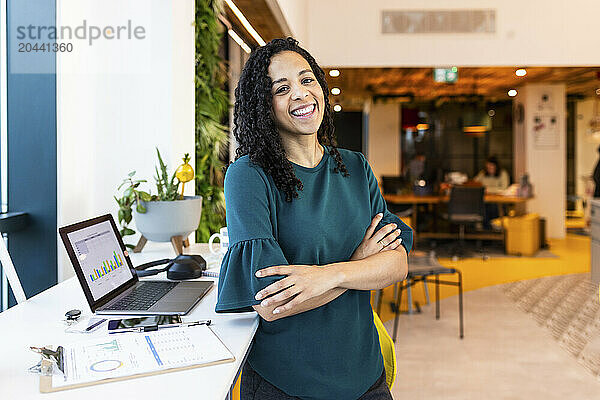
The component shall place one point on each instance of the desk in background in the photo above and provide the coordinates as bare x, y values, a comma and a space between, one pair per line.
433, 200
38, 321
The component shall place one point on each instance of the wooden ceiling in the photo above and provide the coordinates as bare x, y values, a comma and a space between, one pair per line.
360, 84
489, 82
261, 17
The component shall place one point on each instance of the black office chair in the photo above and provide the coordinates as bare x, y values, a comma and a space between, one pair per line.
432, 275
394, 185
466, 207
426, 270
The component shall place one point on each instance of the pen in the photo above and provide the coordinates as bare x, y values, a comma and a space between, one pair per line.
188, 324
89, 328
157, 327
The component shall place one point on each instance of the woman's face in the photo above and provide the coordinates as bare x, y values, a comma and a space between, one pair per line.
298, 100
491, 168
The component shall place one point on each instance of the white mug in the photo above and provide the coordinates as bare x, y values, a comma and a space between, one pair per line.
223, 238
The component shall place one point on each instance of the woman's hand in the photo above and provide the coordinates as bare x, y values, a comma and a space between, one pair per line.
302, 283
384, 239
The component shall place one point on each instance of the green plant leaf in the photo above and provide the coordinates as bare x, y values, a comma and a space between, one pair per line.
128, 215
131, 174
144, 196
212, 105
127, 232
140, 208
129, 246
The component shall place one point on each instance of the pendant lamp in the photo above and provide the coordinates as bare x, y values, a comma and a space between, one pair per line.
476, 122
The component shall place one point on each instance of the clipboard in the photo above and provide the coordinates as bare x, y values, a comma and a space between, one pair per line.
101, 360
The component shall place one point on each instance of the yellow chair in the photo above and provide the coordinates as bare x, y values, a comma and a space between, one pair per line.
387, 350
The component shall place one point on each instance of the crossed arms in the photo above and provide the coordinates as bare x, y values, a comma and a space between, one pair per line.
379, 261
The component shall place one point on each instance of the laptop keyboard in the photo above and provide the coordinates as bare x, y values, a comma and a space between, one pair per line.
143, 296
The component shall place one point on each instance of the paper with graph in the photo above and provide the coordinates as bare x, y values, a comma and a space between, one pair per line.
125, 354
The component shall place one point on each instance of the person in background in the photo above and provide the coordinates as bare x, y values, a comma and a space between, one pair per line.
422, 174
416, 168
596, 177
492, 177
495, 180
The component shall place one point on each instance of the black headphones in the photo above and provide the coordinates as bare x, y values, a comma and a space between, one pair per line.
184, 266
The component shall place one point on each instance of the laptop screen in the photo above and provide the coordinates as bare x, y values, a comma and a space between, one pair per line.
100, 257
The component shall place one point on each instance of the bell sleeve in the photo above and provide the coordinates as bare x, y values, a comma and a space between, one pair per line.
252, 246
378, 205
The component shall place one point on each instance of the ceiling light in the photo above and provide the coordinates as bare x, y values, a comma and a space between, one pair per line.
334, 72
335, 91
521, 72
239, 40
337, 108
512, 92
245, 22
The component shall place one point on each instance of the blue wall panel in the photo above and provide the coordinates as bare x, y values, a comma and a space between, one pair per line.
31, 106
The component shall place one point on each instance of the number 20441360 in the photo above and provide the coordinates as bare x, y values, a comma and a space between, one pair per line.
45, 47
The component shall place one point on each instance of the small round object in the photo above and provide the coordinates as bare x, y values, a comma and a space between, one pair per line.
185, 172
72, 315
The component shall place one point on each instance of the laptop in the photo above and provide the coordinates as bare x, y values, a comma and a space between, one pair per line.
109, 281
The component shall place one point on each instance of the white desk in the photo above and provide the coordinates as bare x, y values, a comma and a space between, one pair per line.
38, 322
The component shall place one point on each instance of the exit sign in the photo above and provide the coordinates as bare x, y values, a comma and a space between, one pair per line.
445, 75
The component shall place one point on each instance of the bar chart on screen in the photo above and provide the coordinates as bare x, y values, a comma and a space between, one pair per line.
101, 258
107, 267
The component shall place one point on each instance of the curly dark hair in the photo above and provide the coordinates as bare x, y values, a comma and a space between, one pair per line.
254, 122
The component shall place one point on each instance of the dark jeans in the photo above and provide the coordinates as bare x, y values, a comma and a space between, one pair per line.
254, 387
491, 212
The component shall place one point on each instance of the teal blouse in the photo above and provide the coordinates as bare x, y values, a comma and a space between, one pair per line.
330, 352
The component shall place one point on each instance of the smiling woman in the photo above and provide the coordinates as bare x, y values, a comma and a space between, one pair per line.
310, 235
256, 103
297, 96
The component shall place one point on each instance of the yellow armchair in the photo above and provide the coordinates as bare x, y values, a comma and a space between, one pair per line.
387, 350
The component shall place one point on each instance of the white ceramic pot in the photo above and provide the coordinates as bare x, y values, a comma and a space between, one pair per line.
165, 219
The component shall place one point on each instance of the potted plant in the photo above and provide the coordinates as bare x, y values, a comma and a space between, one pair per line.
165, 216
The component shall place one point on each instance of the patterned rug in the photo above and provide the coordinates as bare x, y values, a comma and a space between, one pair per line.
568, 306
